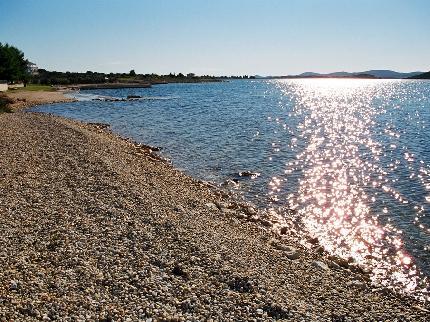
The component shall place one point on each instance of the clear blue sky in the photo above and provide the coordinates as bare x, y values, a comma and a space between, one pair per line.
220, 37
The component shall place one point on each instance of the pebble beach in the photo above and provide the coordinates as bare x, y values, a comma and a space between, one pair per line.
95, 227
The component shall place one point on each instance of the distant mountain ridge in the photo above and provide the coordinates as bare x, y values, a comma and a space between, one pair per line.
421, 76
374, 73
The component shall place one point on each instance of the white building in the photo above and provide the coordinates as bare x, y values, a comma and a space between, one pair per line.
3, 86
32, 68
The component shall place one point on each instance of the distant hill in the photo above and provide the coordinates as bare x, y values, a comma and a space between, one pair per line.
421, 76
390, 74
363, 75
340, 74
309, 74
374, 73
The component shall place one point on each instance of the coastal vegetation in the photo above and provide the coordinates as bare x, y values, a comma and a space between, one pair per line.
37, 87
13, 65
5, 104
46, 77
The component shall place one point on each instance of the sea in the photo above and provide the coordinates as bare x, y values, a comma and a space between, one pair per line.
346, 160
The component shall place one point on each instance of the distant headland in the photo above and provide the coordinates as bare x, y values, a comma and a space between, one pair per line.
374, 73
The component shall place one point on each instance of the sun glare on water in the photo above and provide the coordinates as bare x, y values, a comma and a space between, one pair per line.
340, 169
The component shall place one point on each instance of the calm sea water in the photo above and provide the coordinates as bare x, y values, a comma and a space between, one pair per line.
352, 157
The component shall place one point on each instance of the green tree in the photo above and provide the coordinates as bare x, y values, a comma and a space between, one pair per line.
132, 73
13, 65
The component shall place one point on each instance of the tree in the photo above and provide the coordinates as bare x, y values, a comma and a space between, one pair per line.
13, 65
132, 73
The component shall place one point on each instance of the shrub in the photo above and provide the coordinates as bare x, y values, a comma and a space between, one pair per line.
4, 104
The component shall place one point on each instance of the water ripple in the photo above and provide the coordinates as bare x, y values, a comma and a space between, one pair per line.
350, 156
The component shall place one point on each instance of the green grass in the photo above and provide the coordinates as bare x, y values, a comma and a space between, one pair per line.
127, 79
34, 87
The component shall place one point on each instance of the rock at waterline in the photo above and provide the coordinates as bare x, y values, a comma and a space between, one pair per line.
230, 182
290, 252
249, 174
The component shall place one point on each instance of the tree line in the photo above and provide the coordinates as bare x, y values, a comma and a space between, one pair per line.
13, 65
46, 77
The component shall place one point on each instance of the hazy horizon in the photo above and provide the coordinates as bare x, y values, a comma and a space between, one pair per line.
220, 38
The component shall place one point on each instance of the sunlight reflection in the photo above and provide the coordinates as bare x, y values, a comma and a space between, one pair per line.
333, 201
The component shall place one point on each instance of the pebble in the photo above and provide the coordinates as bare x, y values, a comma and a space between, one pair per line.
241, 215
356, 284
319, 249
292, 254
13, 285
93, 231
320, 265
212, 206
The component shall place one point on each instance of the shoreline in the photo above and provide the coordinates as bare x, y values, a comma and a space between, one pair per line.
25, 99
91, 217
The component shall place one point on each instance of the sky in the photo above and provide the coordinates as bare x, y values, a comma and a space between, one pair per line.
222, 37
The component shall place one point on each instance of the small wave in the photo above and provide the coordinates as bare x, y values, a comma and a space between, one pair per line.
95, 97
158, 97
81, 96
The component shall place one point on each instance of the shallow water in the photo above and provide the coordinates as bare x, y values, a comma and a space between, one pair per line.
350, 156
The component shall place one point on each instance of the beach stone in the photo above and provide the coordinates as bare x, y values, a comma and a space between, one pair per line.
249, 174
228, 211
333, 265
265, 222
313, 241
123, 250
339, 261
212, 206
356, 284
276, 311
180, 209
283, 230
354, 267
179, 271
319, 249
241, 284
320, 265
230, 182
241, 215
292, 253
253, 218
227, 205
250, 211
278, 245
420, 308
13, 285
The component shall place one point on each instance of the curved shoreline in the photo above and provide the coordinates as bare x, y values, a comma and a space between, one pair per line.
25, 99
94, 227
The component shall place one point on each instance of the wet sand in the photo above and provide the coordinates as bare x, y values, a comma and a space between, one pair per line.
96, 228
